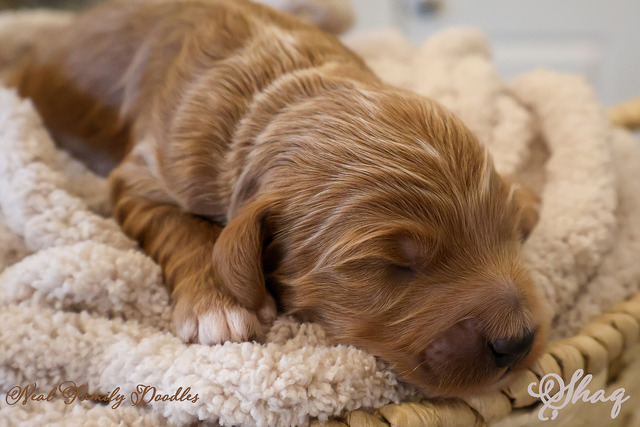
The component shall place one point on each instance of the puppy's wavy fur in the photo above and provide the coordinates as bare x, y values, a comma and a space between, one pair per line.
258, 158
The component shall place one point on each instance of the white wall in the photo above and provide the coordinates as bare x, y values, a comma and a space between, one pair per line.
599, 39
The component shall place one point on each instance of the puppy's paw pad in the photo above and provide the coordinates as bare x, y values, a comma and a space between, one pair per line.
222, 322
227, 324
186, 330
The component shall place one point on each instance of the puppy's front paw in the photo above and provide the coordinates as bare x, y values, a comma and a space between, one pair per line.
208, 318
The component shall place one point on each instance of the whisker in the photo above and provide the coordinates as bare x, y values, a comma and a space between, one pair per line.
418, 365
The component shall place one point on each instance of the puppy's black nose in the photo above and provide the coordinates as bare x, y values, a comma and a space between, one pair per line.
510, 351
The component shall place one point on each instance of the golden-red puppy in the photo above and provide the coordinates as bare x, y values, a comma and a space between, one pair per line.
261, 163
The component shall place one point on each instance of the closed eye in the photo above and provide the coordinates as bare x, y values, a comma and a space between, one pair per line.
377, 267
401, 273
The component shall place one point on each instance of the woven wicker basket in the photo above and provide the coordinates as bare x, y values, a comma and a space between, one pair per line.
608, 348
627, 114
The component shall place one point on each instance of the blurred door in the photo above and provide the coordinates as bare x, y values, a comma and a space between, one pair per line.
599, 39
58, 4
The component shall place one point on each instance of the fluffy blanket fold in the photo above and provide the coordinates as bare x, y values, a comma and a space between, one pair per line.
79, 302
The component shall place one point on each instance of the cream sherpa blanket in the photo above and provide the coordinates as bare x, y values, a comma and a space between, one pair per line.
79, 302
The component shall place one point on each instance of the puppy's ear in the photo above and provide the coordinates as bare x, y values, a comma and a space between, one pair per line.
237, 255
528, 205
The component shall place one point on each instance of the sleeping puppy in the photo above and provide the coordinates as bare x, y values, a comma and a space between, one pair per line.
266, 169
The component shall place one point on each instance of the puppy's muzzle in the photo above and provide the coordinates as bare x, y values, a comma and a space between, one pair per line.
466, 352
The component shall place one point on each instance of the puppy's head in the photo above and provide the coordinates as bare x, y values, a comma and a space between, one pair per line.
393, 229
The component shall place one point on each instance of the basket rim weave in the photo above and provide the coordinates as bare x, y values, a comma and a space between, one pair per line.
626, 114
594, 349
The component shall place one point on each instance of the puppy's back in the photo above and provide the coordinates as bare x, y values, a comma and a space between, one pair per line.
92, 78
